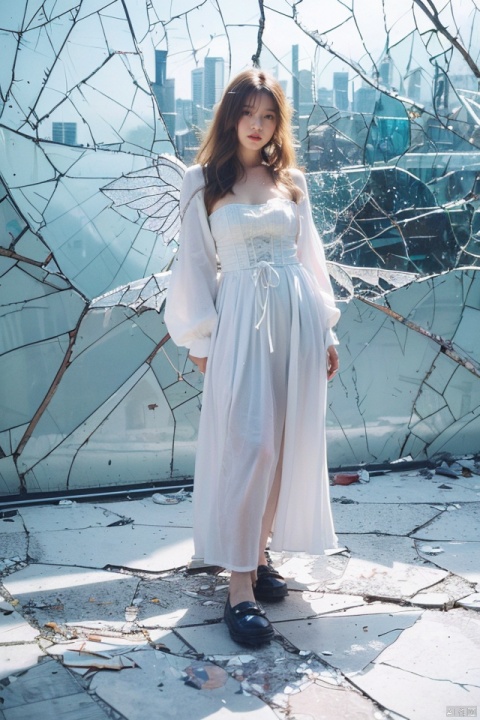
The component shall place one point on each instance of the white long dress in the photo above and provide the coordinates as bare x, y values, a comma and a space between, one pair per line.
264, 322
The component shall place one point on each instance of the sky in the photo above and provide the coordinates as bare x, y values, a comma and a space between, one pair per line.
229, 29
191, 29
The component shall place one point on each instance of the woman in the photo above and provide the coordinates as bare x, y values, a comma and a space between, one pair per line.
261, 333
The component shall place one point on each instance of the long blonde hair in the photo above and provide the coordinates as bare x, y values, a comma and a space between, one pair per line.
218, 151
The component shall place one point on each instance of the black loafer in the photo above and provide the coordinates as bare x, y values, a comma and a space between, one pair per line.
247, 623
270, 584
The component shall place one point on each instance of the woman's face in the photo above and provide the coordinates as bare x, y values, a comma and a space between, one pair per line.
257, 123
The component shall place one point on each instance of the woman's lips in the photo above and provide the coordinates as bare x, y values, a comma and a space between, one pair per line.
254, 137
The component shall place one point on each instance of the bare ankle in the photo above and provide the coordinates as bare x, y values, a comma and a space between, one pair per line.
241, 588
262, 559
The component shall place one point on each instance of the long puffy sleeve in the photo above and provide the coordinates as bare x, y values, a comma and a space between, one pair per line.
190, 313
312, 255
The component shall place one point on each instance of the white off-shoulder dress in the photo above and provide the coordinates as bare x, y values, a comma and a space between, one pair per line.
264, 321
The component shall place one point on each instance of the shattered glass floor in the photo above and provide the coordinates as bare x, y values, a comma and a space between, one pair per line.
100, 619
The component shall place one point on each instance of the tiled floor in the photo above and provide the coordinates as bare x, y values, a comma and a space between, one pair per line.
99, 618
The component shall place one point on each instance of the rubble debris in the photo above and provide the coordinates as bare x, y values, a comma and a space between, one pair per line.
6, 608
364, 476
131, 613
471, 602
205, 676
431, 549
447, 471
170, 498
350, 477
100, 660
345, 478
62, 632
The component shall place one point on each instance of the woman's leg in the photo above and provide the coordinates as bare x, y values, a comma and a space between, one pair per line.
241, 583
241, 588
270, 510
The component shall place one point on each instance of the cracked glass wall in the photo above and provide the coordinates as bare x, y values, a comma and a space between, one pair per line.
102, 103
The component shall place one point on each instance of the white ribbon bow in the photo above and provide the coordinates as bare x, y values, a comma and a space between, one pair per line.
265, 276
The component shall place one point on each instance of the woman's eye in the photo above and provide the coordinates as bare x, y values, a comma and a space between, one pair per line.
247, 112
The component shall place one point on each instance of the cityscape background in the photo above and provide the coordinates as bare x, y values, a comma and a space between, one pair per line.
316, 110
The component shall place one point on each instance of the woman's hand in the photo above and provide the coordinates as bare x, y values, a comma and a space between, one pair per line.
332, 362
201, 363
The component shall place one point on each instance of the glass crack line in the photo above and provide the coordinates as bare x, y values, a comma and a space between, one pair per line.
445, 345
52, 389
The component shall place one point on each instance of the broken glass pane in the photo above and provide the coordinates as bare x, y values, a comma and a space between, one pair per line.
102, 105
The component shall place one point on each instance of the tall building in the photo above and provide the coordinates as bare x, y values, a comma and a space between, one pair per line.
305, 92
160, 66
415, 84
340, 90
64, 133
197, 93
385, 71
441, 89
184, 109
213, 81
364, 99
295, 81
186, 141
325, 97
168, 108
164, 91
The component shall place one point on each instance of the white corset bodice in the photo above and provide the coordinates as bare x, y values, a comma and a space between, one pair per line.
250, 236
260, 238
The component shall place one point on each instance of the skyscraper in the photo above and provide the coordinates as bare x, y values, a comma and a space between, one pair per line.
305, 92
415, 83
325, 97
364, 99
213, 81
295, 81
340, 90
64, 132
197, 93
385, 71
160, 67
164, 91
